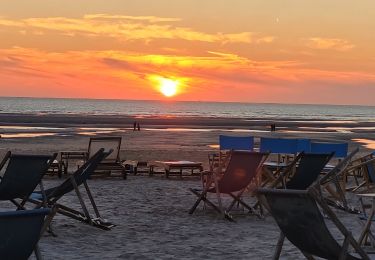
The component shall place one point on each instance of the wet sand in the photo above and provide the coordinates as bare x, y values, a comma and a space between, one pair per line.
150, 213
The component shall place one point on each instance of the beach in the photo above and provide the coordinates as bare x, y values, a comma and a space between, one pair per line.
151, 213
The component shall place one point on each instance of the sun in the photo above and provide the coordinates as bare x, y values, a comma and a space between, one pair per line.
168, 87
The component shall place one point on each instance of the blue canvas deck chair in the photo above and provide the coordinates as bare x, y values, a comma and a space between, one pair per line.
340, 151
52, 196
20, 232
242, 170
300, 220
286, 151
22, 175
229, 143
302, 172
284, 146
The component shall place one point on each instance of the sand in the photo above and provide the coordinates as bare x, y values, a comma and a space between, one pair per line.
151, 213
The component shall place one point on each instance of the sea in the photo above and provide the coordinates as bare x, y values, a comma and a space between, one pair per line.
186, 109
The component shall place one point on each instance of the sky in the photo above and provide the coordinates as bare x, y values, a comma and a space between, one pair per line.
290, 51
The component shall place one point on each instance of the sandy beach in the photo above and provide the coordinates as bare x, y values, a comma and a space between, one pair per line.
151, 213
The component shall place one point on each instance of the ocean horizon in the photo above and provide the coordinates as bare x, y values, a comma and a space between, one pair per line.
156, 108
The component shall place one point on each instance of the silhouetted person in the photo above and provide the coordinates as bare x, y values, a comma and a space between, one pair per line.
134, 126
139, 127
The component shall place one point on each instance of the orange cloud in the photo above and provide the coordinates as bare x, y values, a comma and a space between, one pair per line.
329, 44
215, 76
129, 28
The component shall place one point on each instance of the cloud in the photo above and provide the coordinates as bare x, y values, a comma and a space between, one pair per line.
214, 76
329, 43
125, 28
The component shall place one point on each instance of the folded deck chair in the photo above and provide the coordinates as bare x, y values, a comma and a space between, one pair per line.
22, 174
112, 162
242, 169
301, 222
20, 232
50, 197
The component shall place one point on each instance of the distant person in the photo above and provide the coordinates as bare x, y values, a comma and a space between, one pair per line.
273, 127
134, 126
138, 126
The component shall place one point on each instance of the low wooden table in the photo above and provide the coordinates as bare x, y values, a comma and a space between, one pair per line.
66, 156
170, 166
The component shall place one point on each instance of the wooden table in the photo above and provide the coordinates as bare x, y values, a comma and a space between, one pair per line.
66, 156
170, 166
366, 232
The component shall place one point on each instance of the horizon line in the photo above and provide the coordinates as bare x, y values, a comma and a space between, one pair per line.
192, 101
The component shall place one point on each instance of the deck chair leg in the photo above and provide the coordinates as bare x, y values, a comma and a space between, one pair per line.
201, 197
367, 225
344, 250
48, 222
86, 212
279, 246
19, 206
37, 253
89, 194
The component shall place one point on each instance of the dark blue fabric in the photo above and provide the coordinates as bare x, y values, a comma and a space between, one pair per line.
339, 149
236, 142
20, 232
278, 145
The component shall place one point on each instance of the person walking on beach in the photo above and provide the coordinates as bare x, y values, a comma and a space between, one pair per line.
134, 126
138, 126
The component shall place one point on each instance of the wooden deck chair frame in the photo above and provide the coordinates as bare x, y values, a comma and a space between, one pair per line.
315, 194
109, 164
333, 178
51, 197
360, 170
213, 179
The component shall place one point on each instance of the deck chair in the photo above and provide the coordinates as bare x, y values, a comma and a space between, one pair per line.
112, 162
21, 176
20, 232
301, 222
50, 197
242, 169
364, 168
303, 171
331, 182
227, 144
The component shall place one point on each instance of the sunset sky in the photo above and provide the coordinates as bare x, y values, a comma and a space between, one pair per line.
288, 51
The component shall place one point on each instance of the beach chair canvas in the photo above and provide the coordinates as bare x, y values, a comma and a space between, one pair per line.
301, 222
113, 162
242, 169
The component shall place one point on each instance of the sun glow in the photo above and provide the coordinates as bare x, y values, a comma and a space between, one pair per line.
167, 86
